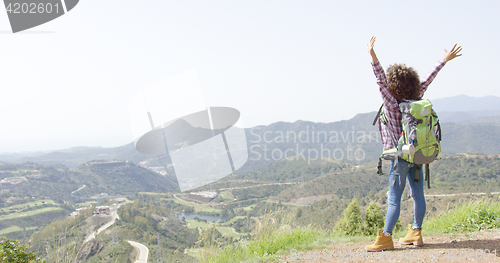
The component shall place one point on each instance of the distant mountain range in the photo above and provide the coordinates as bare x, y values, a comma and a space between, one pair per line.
463, 108
75, 156
469, 125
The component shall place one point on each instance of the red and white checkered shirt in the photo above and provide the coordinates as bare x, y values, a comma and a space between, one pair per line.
391, 105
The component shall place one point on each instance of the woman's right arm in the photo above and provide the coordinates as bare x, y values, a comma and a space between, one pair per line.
389, 100
448, 55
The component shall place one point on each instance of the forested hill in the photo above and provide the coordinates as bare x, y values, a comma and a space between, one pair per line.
88, 179
457, 173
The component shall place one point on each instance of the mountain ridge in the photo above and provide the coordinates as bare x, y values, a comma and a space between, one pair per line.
474, 131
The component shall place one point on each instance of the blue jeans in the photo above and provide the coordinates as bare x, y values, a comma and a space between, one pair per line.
395, 192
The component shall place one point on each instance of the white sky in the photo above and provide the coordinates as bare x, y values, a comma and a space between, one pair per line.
68, 82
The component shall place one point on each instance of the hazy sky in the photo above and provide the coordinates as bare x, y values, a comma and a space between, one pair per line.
68, 82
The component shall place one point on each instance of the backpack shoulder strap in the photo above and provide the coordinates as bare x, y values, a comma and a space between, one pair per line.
381, 118
427, 175
378, 114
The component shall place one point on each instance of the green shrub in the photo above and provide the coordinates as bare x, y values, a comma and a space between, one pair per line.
351, 223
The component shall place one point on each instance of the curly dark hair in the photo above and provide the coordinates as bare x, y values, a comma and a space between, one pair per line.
404, 82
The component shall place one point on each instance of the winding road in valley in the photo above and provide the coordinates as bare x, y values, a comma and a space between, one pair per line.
114, 216
143, 251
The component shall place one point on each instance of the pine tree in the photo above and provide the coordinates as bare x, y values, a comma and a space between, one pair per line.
374, 219
351, 223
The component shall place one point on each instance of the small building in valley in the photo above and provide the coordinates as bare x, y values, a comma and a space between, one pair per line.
102, 210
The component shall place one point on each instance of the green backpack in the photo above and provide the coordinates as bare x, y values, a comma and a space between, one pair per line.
420, 141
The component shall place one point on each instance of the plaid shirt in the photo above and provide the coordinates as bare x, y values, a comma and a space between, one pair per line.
391, 105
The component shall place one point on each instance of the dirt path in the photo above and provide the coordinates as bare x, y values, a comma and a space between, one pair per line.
442, 195
471, 247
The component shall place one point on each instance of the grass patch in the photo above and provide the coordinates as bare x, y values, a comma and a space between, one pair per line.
233, 220
26, 205
193, 252
195, 224
285, 239
269, 247
29, 213
249, 208
197, 207
227, 196
228, 232
14, 229
274, 236
474, 216
10, 230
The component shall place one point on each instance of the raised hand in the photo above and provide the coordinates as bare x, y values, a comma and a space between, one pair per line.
453, 53
370, 45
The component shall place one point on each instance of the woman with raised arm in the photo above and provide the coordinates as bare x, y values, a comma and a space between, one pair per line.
401, 83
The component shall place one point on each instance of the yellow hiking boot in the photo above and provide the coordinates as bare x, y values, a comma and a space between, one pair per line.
383, 242
412, 237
